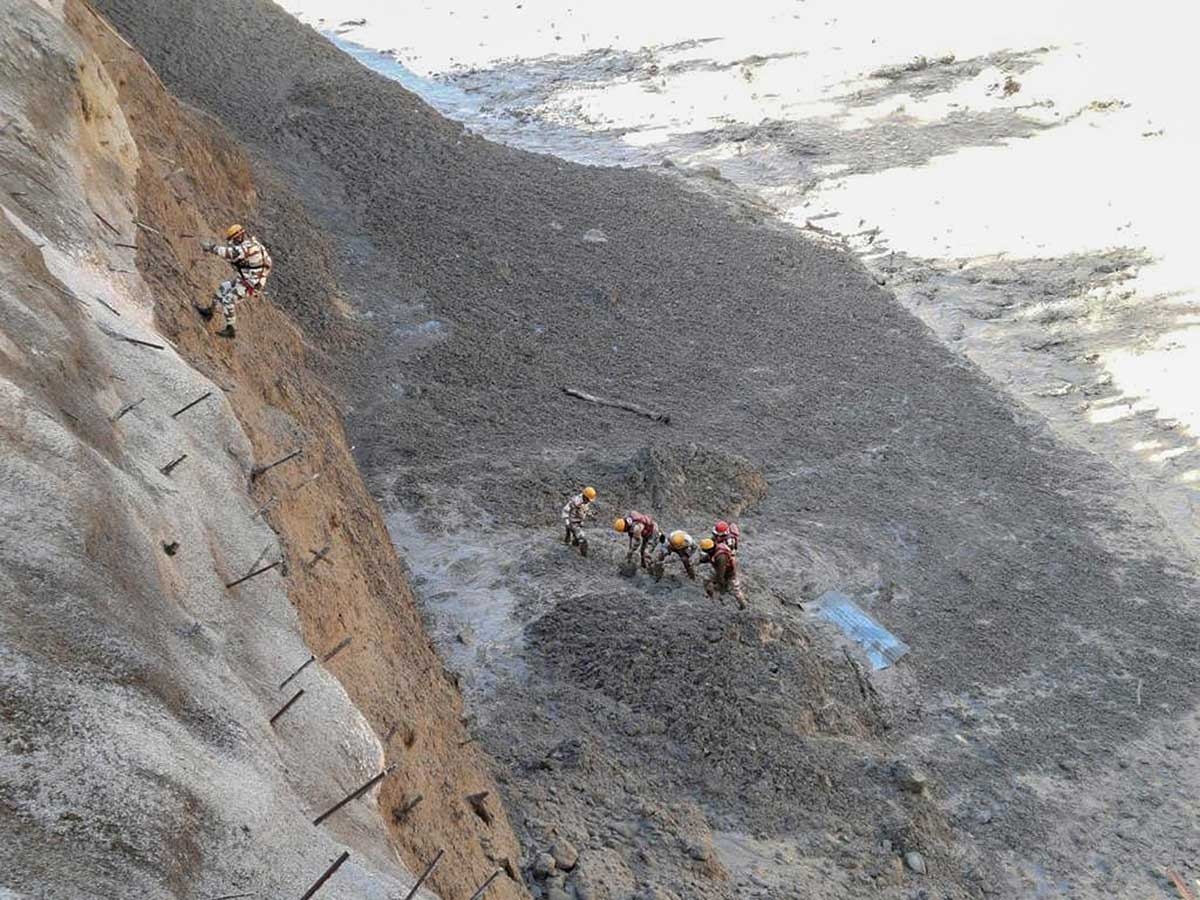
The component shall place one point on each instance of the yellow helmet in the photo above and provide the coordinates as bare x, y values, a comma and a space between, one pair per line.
706, 544
233, 232
677, 540
620, 524
589, 493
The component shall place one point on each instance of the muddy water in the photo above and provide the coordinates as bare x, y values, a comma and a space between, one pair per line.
468, 606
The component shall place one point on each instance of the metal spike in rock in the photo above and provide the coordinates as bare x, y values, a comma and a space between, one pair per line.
254, 573
337, 864
304, 665
483, 887
354, 795
259, 471
345, 642
199, 399
286, 706
170, 467
128, 407
428, 871
101, 301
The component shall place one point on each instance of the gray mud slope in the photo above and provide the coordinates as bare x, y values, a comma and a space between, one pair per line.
1028, 577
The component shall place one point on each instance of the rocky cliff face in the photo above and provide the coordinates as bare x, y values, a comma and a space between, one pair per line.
140, 758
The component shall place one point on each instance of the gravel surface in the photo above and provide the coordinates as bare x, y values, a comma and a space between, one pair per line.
1031, 582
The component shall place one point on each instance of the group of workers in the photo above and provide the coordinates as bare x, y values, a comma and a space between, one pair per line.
656, 547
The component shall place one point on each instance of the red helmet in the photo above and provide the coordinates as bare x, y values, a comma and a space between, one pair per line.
721, 529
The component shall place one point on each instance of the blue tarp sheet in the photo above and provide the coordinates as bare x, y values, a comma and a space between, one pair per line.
883, 648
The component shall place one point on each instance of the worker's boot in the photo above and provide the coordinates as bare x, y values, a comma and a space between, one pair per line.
229, 331
206, 312
583, 548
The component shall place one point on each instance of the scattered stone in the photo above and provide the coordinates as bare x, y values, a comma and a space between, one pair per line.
983, 816
915, 862
557, 893
565, 855
544, 866
603, 875
698, 851
595, 236
911, 779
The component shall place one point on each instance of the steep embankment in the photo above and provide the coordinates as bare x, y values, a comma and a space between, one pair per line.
634, 719
139, 758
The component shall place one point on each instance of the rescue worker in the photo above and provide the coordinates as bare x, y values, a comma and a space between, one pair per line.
641, 531
720, 532
724, 577
252, 266
679, 544
577, 509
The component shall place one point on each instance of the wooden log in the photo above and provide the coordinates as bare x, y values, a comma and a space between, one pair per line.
199, 399
233, 896
286, 706
124, 245
618, 404
337, 864
255, 573
304, 665
258, 471
354, 795
428, 871
483, 887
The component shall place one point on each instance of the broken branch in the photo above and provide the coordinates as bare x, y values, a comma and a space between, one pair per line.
618, 404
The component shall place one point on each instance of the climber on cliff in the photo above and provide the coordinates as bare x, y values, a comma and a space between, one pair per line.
724, 577
679, 545
252, 266
577, 509
641, 530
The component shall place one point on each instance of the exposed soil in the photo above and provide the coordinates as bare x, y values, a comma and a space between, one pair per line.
1031, 582
193, 178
